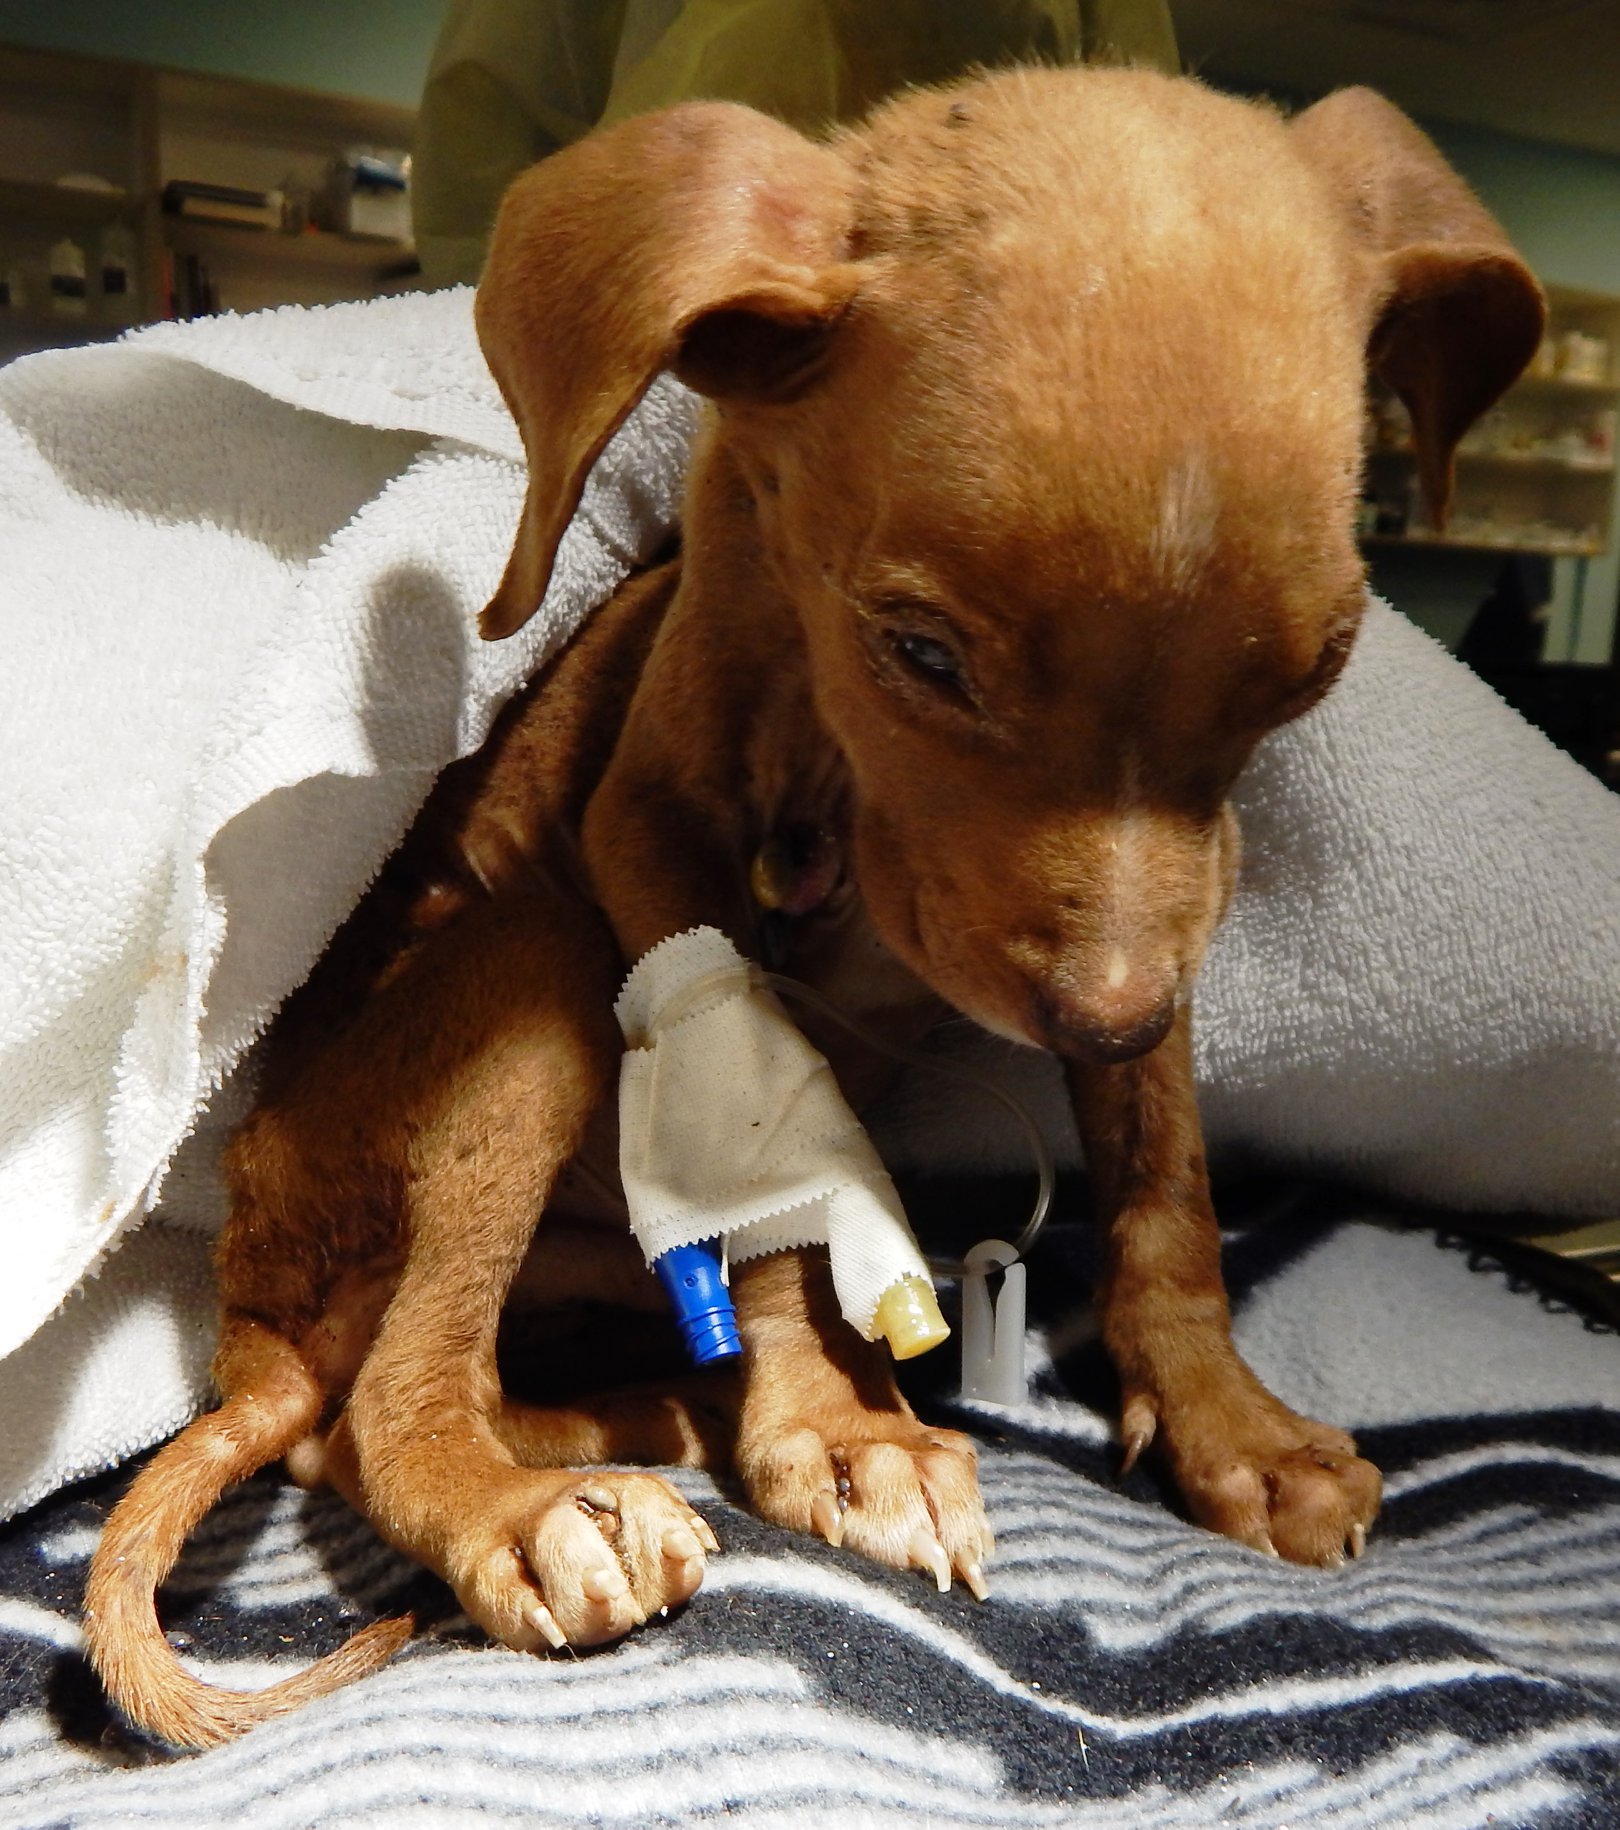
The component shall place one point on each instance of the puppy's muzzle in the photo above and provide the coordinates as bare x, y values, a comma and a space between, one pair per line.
1100, 1031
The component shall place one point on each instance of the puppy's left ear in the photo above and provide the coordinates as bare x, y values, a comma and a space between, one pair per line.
706, 238
1453, 313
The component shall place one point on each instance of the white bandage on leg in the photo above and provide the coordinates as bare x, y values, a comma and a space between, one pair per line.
731, 1123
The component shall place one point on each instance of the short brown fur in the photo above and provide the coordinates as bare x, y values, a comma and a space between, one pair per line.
1024, 512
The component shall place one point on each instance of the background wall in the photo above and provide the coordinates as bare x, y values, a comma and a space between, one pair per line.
351, 47
1561, 204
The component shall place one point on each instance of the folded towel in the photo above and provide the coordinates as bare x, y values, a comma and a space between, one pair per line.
243, 563
244, 558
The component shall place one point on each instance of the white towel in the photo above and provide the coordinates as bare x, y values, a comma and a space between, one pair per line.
242, 563
243, 560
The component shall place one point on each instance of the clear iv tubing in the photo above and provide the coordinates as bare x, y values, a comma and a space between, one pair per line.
954, 1268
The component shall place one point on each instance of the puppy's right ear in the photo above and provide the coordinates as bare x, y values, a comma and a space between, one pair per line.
1454, 313
707, 238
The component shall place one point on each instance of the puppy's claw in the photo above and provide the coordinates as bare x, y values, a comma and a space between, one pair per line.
704, 1533
927, 1553
826, 1520
604, 1583
545, 1624
1137, 1425
679, 1545
599, 1498
1261, 1541
978, 1588
1358, 1539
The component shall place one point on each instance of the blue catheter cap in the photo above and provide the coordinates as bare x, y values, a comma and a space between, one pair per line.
697, 1292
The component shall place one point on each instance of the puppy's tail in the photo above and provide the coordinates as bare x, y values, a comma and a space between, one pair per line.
274, 1403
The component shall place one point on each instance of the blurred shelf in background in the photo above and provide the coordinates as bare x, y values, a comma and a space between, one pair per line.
90, 146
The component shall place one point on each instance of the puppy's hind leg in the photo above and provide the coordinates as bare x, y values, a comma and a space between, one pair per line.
514, 1044
675, 1423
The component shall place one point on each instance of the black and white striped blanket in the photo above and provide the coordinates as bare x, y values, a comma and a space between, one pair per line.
1129, 1669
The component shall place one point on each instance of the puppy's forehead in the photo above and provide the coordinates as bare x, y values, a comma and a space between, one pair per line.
1122, 148
1106, 310
1099, 231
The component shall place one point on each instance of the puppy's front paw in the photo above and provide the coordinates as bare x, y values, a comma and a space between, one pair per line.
1254, 1470
887, 1487
578, 1559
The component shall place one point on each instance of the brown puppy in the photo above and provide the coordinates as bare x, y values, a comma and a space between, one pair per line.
1024, 513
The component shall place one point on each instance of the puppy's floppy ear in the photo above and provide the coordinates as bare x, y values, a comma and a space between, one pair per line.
707, 238
1454, 313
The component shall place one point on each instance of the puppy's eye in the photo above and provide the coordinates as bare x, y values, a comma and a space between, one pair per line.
930, 659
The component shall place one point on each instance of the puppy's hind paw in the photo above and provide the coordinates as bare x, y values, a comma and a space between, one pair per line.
583, 1559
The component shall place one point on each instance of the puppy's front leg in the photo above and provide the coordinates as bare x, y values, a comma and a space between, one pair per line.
505, 1044
827, 1444
1246, 1464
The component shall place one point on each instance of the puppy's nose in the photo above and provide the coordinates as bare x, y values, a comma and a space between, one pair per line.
1101, 1029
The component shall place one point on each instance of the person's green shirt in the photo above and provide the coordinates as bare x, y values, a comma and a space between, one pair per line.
513, 80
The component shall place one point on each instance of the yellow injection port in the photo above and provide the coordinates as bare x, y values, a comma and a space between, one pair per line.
908, 1318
